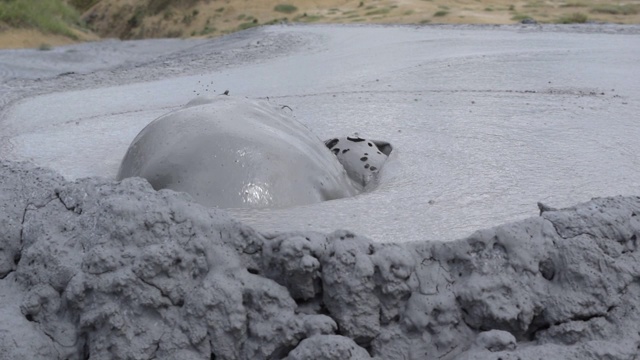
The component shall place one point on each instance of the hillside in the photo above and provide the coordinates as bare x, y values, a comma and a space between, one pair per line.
33, 23
182, 18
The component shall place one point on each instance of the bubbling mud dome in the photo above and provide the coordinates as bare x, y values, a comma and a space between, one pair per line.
230, 152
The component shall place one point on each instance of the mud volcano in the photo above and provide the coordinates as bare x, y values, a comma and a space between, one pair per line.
491, 120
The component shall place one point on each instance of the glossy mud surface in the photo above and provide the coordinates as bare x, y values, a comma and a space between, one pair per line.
485, 121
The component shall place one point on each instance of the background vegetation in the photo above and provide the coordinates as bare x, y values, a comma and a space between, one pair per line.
48, 16
134, 19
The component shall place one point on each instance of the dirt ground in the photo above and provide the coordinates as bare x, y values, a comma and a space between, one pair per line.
30, 38
134, 19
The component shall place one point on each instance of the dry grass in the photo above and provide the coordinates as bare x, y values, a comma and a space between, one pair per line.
575, 18
216, 17
183, 18
31, 38
613, 9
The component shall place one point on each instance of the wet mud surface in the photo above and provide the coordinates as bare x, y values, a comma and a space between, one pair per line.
485, 121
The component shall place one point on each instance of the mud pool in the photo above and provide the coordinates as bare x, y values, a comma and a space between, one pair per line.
485, 121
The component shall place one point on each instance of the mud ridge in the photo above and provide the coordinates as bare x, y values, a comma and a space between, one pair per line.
111, 270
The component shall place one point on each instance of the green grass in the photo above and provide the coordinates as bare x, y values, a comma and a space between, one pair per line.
313, 18
573, 4
575, 18
157, 6
307, 18
207, 30
82, 5
520, 17
285, 8
277, 21
627, 9
247, 25
441, 13
187, 19
48, 16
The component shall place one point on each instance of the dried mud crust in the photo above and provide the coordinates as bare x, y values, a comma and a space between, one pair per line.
103, 270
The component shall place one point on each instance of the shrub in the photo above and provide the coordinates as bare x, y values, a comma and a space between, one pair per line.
285, 8
312, 18
520, 17
247, 25
82, 5
207, 30
48, 16
575, 18
136, 19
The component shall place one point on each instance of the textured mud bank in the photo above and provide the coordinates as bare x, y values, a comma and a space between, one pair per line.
104, 270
